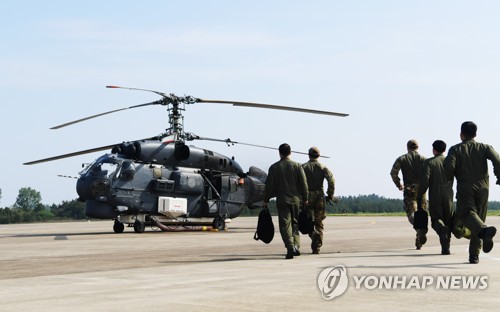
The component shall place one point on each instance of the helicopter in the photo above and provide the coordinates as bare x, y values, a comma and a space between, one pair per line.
161, 181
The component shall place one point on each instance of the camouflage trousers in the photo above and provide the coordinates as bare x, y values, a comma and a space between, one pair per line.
410, 200
317, 208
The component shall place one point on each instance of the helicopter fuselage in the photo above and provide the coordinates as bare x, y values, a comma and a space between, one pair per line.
173, 181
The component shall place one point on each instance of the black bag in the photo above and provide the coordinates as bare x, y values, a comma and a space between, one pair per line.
306, 222
420, 220
265, 227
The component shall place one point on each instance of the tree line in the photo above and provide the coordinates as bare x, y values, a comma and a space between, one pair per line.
360, 204
29, 208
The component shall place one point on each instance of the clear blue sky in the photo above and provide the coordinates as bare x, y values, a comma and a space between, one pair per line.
401, 69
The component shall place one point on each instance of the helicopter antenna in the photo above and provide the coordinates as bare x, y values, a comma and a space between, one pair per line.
65, 176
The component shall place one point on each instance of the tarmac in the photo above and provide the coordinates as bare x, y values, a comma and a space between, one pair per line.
366, 264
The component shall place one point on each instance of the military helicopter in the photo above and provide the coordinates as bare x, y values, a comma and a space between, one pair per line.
161, 181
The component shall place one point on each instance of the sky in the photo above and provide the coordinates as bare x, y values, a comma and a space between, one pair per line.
401, 69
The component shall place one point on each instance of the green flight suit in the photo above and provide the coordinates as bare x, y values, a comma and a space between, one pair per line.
410, 164
440, 188
287, 182
316, 173
468, 163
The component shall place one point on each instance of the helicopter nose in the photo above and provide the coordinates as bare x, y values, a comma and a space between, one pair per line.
90, 188
83, 188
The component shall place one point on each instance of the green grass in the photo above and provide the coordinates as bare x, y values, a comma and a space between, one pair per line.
391, 214
375, 214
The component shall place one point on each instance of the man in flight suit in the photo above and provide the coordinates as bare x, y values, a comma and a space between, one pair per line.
440, 188
411, 165
316, 173
287, 182
468, 163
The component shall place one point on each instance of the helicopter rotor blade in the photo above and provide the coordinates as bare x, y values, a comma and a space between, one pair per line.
159, 102
137, 89
166, 99
269, 106
88, 151
229, 142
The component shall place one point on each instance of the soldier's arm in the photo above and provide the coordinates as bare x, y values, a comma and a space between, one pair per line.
495, 160
424, 180
269, 187
395, 173
328, 175
302, 183
450, 163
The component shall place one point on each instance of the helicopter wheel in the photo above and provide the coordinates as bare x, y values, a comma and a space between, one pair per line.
139, 226
219, 223
118, 227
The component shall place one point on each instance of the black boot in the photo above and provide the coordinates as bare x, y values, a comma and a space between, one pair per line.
444, 239
473, 259
289, 253
486, 235
296, 250
422, 236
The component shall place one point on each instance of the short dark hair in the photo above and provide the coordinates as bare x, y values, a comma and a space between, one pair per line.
285, 150
412, 145
469, 129
313, 152
439, 146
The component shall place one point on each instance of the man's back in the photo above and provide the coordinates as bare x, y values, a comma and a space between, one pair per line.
316, 172
467, 161
411, 165
286, 181
434, 173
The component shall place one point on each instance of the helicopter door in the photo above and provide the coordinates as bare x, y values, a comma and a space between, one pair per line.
213, 195
209, 202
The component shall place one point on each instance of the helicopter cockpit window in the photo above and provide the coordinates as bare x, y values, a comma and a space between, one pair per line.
127, 170
101, 169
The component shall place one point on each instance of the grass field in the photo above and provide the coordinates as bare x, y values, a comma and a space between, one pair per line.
394, 214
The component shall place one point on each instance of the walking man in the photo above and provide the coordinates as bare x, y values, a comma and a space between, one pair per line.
287, 182
316, 173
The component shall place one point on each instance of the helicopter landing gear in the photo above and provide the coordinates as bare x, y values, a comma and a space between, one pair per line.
139, 226
219, 223
118, 227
